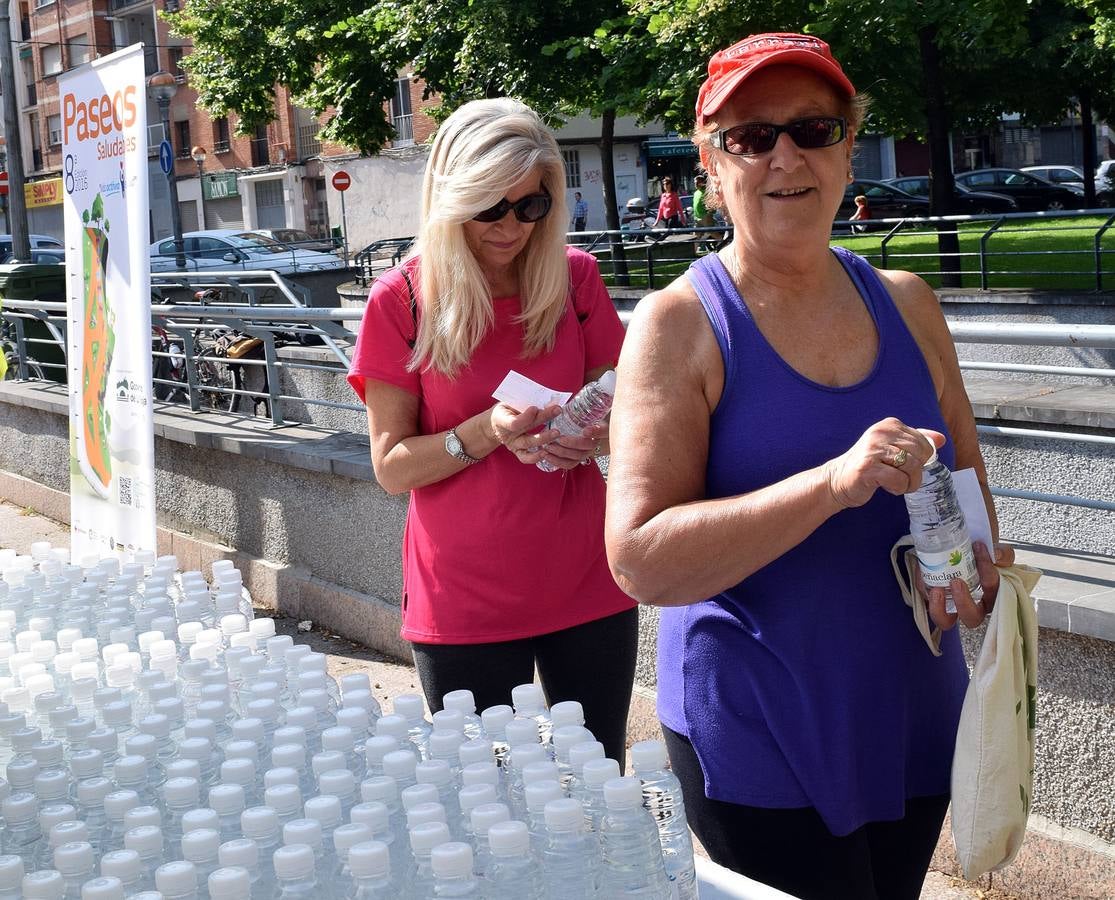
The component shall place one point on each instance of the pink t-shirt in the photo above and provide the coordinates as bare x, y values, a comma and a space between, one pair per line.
501, 550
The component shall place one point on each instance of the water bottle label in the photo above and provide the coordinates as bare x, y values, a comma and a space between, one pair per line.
938, 569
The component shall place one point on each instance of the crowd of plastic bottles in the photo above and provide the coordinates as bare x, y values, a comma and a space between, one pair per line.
161, 742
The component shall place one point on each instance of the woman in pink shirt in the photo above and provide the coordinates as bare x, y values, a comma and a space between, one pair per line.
669, 206
503, 563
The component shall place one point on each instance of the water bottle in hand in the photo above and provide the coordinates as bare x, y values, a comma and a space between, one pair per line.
591, 404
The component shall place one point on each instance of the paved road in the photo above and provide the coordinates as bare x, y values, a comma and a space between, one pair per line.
20, 528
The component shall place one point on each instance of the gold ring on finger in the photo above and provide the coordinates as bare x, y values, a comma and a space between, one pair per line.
900, 458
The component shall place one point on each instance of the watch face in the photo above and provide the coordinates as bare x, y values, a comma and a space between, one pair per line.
453, 444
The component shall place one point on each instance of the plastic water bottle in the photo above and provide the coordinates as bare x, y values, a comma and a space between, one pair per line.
227, 801
419, 882
469, 798
571, 861
941, 539
22, 832
464, 702
514, 870
147, 842
412, 708
565, 738
177, 881
243, 853
483, 818
77, 864
104, 888
596, 773
630, 851
495, 720
662, 796
370, 863
200, 847
452, 865
11, 877
529, 702
46, 884
590, 404
127, 867
538, 794
229, 884
295, 873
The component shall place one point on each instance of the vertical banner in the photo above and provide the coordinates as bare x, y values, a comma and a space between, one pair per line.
108, 277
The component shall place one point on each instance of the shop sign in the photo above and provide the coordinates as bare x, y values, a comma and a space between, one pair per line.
220, 186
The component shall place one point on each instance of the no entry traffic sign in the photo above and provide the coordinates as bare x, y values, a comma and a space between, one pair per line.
341, 181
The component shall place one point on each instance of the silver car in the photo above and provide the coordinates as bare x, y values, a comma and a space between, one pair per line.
229, 249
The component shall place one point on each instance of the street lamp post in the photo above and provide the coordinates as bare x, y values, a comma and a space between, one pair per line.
199, 155
161, 87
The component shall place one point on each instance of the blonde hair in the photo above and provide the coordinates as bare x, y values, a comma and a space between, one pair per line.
480, 151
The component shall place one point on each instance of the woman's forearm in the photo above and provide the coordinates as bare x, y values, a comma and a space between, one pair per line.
422, 459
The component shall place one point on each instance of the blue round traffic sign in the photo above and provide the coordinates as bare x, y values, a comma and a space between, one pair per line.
166, 157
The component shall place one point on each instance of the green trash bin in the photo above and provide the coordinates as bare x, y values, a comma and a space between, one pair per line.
31, 281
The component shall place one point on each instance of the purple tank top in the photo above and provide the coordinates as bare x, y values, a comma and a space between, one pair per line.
807, 684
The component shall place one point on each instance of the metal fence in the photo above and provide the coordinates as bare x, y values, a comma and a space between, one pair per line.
271, 312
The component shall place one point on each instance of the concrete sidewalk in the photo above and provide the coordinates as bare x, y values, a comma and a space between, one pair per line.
19, 528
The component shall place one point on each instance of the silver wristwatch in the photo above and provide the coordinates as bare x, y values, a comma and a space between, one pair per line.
456, 449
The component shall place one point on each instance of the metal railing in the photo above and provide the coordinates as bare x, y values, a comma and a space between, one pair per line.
379, 256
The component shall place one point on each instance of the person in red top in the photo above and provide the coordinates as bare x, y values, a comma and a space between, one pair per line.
503, 563
669, 206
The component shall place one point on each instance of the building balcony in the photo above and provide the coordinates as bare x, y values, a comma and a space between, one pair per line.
308, 144
404, 131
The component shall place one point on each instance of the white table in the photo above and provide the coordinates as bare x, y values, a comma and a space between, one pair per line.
717, 883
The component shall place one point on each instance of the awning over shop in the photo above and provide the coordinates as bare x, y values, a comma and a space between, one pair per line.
658, 149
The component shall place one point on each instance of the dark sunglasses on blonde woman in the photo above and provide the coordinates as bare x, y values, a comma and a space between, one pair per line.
753, 138
530, 208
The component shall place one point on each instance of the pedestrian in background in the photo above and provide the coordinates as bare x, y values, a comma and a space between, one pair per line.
580, 213
765, 427
670, 212
503, 563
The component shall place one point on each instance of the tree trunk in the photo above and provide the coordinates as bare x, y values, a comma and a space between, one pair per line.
1088, 138
608, 191
941, 184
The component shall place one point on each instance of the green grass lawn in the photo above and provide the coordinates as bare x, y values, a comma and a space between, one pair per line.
1047, 254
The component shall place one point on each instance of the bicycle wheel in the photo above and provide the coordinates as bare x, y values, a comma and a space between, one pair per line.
215, 374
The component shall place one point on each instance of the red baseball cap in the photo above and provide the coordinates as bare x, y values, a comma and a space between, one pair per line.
728, 69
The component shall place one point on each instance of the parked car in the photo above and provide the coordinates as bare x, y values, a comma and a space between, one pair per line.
1069, 176
1030, 192
885, 201
38, 241
1105, 175
967, 202
230, 249
44, 257
297, 239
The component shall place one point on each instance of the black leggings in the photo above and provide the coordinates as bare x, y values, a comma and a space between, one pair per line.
792, 850
593, 663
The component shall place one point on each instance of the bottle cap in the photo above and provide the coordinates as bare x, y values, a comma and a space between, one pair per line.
932, 456
623, 793
327, 761
607, 382
202, 728
230, 883
146, 840
184, 768
425, 812
380, 787
248, 730
56, 814
445, 745
260, 822
338, 782
648, 756
510, 838
371, 813
52, 786
400, 764
579, 754
21, 774
45, 884
240, 852
480, 773
123, 864
303, 831
182, 792
200, 845
69, 832
73, 858
598, 771
486, 815
346, 836
202, 817
419, 793
521, 732
264, 709
145, 745
117, 803
142, 815
355, 718
176, 878
410, 706
283, 798
433, 771
197, 748
291, 756
424, 837
19, 808
525, 754
103, 888
156, 725
543, 770
355, 681
475, 751
293, 861
449, 720
474, 795
91, 791
11, 872
130, 769
243, 749
238, 771
462, 701
280, 775
338, 738
227, 799
539, 793
568, 736
369, 859
325, 809
393, 726
565, 814
262, 629
315, 698
528, 700
452, 860
363, 700
86, 763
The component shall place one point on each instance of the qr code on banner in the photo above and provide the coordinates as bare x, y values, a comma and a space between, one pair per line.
125, 491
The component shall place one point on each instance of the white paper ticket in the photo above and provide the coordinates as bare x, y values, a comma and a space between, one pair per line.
520, 393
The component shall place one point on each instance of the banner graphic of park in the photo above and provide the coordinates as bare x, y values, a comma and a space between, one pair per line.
108, 296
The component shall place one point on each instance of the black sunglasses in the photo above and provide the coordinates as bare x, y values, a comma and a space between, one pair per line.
753, 138
530, 208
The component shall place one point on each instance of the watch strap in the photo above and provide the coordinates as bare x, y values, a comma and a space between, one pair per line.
455, 447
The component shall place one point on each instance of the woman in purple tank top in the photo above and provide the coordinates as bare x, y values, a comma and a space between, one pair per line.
774, 405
